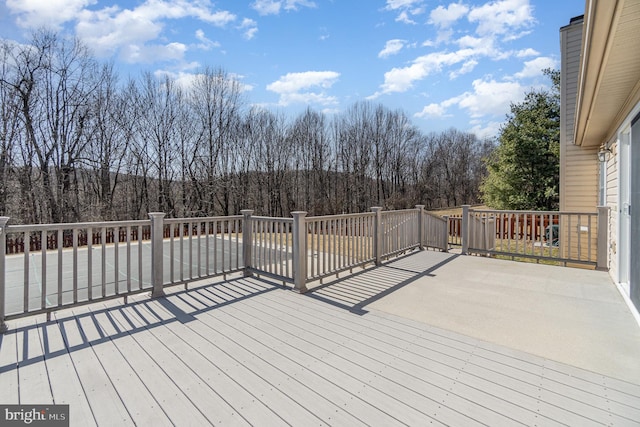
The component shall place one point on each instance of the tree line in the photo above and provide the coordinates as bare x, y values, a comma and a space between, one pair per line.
78, 143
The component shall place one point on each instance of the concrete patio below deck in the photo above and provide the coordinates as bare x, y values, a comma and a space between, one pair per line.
569, 315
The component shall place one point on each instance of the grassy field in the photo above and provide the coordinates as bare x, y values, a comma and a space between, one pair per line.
454, 210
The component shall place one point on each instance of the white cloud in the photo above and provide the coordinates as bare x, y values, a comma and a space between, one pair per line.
402, 79
273, 7
503, 17
445, 16
154, 52
534, 67
391, 48
404, 18
490, 97
293, 82
523, 53
406, 9
186, 79
466, 68
205, 43
267, 7
401, 4
47, 13
432, 111
250, 28
485, 129
131, 32
297, 87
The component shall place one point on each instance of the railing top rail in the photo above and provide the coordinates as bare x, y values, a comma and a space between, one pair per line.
73, 225
341, 216
432, 215
270, 218
201, 219
401, 211
530, 212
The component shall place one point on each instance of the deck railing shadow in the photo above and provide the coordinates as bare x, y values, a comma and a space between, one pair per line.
364, 287
71, 332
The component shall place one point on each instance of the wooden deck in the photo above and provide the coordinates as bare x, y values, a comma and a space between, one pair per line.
248, 352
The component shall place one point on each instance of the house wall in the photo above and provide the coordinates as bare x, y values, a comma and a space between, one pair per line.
578, 165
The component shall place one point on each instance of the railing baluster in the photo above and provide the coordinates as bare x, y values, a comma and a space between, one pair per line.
129, 258
199, 233
140, 278
190, 231
103, 241
215, 246
60, 244
90, 263
579, 236
207, 232
116, 266
237, 245
75, 266
27, 248
229, 232
43, 268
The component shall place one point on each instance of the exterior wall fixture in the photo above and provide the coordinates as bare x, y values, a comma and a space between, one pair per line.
603, 154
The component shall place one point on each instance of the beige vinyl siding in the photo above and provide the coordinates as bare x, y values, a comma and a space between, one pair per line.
578, 166
571, 43
581, 170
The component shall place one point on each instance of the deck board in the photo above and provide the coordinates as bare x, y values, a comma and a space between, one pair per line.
177, 405
103, 398
227, 378
9, 392
190, 396
266, 356
147, 410
248, 352
403, 368
32, 377
65, 384
581, 412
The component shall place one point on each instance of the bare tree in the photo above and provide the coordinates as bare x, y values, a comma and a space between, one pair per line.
110, 130
9, 126
215, 99
54, 79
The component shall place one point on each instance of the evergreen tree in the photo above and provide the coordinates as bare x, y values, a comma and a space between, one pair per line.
524, 169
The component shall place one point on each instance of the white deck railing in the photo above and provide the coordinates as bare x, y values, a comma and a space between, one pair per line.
48, 267
560, 237
271, 240
339, 242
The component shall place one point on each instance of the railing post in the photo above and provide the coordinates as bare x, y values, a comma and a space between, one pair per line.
3, 249
445, 241
420, 226
247, 240
156, 253
465, 230
377, 234
299, 252
603, 242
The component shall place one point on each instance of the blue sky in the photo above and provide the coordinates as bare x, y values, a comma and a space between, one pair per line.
444, 63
